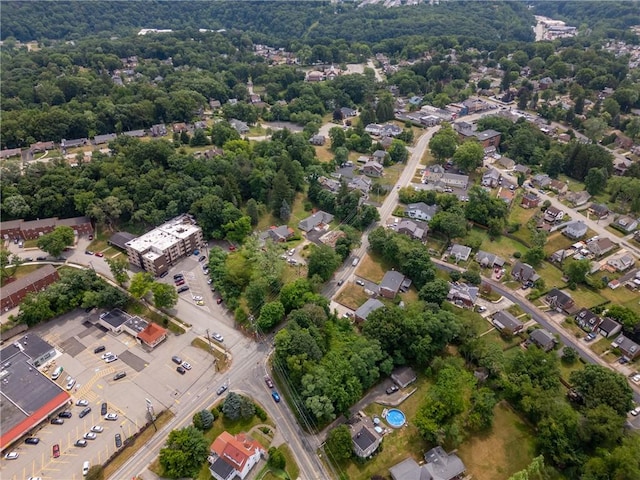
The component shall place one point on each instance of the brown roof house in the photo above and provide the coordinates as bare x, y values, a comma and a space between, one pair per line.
35, 228
524, 273
601, 246
13, 293
373, 169
558, 187
233, 456
505, 322
560, 301
530, 200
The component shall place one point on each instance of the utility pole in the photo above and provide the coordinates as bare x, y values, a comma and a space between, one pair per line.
214, 361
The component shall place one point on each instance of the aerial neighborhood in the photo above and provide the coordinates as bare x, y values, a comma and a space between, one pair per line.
341, 242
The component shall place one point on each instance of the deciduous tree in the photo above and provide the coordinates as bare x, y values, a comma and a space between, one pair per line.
55, 242
184, 453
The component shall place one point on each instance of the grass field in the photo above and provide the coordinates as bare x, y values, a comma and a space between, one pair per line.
555, 242
586, 297
352, 296
372, 268
297, 213
503, 246
552, 276
507, 448
323, 153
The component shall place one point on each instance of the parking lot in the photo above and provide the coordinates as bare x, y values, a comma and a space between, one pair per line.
149, 375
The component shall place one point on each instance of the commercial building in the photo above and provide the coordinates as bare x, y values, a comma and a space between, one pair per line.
157, 250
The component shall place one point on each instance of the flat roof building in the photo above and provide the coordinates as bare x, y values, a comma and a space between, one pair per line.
157, 250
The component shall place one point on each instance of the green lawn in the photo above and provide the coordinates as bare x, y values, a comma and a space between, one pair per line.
552, 276
586, 297
555, 242
567, 369
503, 246
506, 449
297, 213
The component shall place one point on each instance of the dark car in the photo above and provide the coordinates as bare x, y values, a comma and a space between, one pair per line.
85, 411
32, 440
40, 259
392, 389
178, 276
81, 443
103, 408
164, 274
340, 282
221, 390
219, 301
65, 414
180, 369
202, 258
118, 440
57, 421
183, 289
268, 381
176, 359
119, 375
99, 349
275, 396
56, 451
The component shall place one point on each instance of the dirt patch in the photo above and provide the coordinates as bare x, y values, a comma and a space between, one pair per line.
352, 296
370, 269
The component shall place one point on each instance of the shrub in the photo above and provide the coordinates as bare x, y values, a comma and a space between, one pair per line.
260, 413
517, 254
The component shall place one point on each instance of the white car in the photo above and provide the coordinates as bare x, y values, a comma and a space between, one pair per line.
186, 365
197, 297
82, 403
635, 412
90, 436
636, 378
291, 252
111, 416
97, 429
11, 455
218, 337
71, 383
107, 355
110, 359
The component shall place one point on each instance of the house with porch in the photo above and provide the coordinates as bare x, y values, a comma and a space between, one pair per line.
489, 260
575, 230
628, 347
318, 220
609, 328
587, 320
560, 301
462, 294
233, 456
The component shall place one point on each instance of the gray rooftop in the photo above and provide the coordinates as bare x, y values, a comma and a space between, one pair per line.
409, 469
503, 319
542, 337
115, 317
367, 307
443, 466
392, 280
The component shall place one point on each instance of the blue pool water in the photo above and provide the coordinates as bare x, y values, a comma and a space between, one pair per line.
395, 418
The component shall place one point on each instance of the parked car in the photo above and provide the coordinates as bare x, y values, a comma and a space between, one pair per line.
198, 297
360, 282
196, 252
85, 411
217, 337
97, 429
90, 436
81, 443
268, 381
178, 276
119, 375
202, 258
164, 274
590, 337
65, 414
183, 289
118, 440
176, 359
88, 252
340, 282
103, 408
57, 421
232, 248
110, 359
186, 365
635, 412
200, 303
71, 383
82, 403
219, 301
275, 396
56, 451
32, 440
11, 455
180, 370
99, 349
179, 282
99, 254
111, 417
107, 355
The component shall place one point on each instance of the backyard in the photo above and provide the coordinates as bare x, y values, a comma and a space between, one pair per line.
352, 296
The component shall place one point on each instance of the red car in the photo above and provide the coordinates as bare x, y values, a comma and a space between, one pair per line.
232, 248
179, 282
99, 254
219, 301
56, 451
268, 381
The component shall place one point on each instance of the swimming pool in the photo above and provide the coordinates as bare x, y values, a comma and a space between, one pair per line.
396, 418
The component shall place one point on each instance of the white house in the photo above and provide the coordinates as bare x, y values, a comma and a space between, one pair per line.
233, 456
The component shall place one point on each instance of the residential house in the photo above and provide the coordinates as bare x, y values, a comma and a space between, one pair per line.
373, 129
599, 210
240, 127
78, 142
433, 173
421, 211
409, 469
530, 200
506, 322
575, 230
317, 140
234, 455
80, 225
454, 180
627, 224
403, 376
543, 339
608, 327
364, 436
159, 130
441, 465
489, 138
318, 220
35, 228
414, 229
215, 104
10, 152
40, 147
279, 234
560, 301
559, 187
180, 127
623, 142
553, 214
587, 320
506, 163
366, 308
329, 184
460, 252
137, 133
621, 262
429, 120
578, 199
11, 229
506, 195
628, 347
521, 169
542, 180
545, 83
390, 130
601, 246
559, 255
524, 273
373, 169
379, 156
390, 284
314, 76
12, 293
361, 183
348, 112
491, 178
489, 260
385, 142
462, 294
